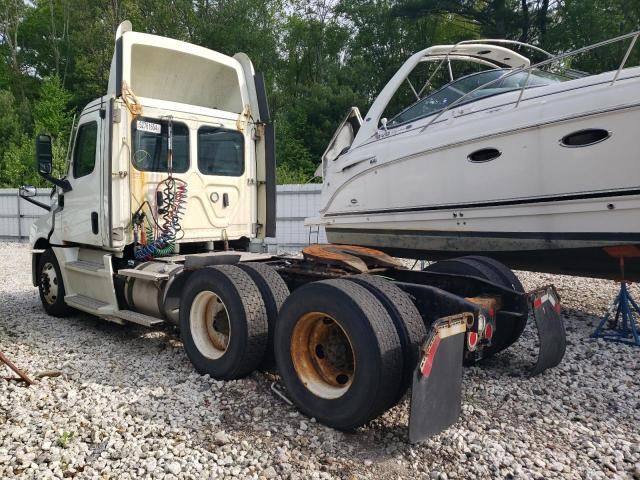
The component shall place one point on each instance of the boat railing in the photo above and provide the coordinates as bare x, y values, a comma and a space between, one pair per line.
553, 59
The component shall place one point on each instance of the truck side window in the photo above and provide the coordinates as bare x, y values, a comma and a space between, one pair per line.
150, 145
220, 152
84, 153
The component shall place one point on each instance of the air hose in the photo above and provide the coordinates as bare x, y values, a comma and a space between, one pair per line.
160, 252
174, 192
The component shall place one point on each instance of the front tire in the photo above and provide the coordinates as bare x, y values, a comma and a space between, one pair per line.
223, 322
51, 286
338, 353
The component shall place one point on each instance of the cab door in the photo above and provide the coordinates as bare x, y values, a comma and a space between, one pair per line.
222, 197
82, 213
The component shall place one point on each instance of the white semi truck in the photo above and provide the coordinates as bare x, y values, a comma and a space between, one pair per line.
170, 189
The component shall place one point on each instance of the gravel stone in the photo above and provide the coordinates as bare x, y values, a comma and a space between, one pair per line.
128, 404
270, 472
222, 438
174, 467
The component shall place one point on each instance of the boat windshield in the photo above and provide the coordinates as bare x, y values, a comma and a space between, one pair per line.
451, 92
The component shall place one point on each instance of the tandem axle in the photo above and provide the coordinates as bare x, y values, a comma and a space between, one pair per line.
349, 329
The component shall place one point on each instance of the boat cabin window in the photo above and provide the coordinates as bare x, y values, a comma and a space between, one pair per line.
151, 143
453, 91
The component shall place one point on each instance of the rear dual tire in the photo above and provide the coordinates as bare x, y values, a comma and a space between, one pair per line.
507, 330
338, 353
409, 324
223, 322
274, 292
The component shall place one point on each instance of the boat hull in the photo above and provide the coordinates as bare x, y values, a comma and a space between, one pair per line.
540, 204
562, 253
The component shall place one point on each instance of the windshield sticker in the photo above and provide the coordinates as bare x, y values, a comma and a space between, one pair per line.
148, 127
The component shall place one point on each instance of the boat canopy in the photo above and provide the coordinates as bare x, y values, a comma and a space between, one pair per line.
493, 54
473, 88
488, 52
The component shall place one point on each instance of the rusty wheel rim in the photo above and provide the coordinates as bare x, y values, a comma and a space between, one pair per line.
322, 355
210, 326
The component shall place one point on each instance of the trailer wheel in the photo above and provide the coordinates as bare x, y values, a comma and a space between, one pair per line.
408, 322
509, 279
223, 322
274, 292
507, 331
338, 353
51, 286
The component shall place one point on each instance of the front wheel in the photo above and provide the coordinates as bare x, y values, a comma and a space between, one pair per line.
51, 286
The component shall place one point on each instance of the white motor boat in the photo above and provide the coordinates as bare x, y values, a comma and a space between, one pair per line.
533, 164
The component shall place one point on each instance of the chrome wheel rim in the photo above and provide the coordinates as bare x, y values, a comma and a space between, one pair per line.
49, 283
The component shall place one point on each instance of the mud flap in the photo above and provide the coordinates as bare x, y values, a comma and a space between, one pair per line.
545, 304
436, 392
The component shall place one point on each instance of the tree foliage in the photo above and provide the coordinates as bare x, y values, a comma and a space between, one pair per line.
320, 57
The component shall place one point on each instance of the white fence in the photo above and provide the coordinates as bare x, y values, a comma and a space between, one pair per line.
16, 214
294, 204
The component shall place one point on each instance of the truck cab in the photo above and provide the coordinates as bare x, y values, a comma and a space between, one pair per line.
171, 109
177, 156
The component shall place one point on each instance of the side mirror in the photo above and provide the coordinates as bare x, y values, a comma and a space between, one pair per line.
44, 155
44, 162
27, 191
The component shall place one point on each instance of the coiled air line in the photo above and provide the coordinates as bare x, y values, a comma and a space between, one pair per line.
174, 204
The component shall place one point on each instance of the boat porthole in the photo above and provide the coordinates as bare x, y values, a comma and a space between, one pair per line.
585, 138
484, 155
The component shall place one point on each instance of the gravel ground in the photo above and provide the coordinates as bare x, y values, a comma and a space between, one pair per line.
129, 405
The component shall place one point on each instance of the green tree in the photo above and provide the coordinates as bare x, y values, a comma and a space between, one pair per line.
10, 125
18, 165
10, 135
584, 22
497, 18
52, 116
51, 112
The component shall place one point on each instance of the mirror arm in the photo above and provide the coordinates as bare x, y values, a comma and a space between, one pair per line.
35, 202
62, 183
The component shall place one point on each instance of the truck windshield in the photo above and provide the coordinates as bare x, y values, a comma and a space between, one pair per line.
451, 92
150, 145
